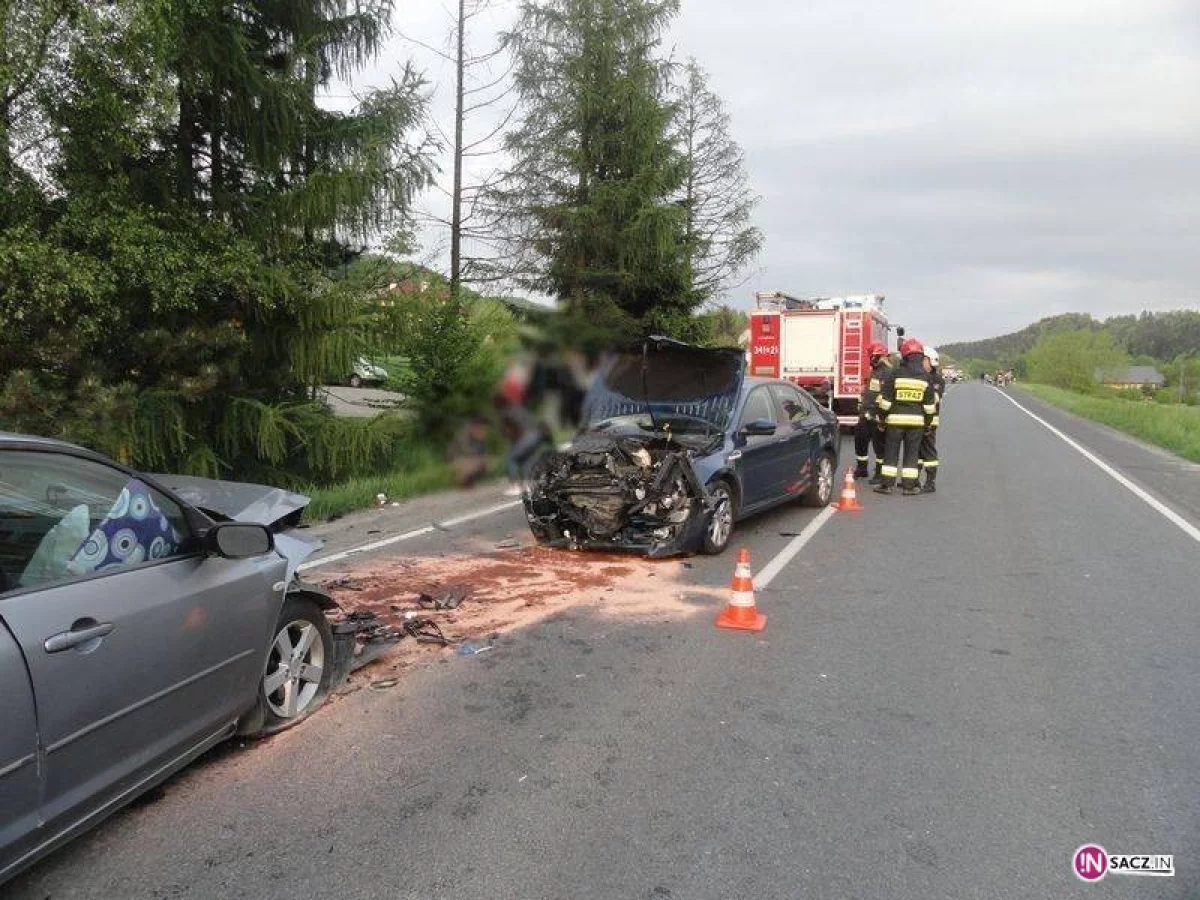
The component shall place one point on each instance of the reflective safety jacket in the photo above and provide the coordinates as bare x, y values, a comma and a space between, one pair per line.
867, 400
939, 388
907, 398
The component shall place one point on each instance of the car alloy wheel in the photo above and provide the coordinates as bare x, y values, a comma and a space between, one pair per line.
720, 525
824, 480
295, 670
821, 491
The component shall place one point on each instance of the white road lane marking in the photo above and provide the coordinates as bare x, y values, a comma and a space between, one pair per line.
479, 514
794, 546
1153, 502
408, 535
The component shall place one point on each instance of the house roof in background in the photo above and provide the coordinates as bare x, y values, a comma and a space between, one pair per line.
1130, 375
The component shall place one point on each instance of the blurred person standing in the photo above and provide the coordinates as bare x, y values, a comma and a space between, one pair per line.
467, 453
520, 425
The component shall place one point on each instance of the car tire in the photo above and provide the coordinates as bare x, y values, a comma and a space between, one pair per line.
820, 493
719, 532
290, 691
355, 381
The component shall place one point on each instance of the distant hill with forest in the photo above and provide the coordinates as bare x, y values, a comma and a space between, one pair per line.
1159, 335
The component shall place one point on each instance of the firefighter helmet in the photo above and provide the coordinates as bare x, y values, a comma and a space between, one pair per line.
909, 346
932, 355
877, 349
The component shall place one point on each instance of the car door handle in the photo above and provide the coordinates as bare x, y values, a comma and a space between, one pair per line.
79, 634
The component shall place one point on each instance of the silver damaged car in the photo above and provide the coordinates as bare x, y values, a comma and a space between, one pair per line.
143, 619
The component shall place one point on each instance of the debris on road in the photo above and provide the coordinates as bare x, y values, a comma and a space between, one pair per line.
469, 649
426, 631
508, 544
344, 583
450, 600
507, 589
384, 683
359, 637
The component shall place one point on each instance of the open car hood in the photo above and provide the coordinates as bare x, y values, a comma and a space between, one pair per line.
242, 502
666, 377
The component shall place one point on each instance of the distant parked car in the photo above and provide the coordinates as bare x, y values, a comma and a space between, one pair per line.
366, 372
143, 619
678, 445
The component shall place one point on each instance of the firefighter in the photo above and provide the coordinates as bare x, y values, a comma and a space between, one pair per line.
908, 403
867, 433
928, 460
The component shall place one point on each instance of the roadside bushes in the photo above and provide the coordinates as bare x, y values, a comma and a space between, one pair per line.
289, 444
456, 351
1170, 396
1069, 359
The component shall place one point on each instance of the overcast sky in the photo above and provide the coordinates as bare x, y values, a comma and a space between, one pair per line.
982, 164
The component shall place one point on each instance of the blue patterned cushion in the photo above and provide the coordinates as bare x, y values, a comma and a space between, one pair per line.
133, 531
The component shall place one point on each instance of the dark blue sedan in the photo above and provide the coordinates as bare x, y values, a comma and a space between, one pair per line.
678, 445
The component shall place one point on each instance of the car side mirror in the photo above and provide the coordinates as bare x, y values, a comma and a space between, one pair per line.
758, 428
238, 540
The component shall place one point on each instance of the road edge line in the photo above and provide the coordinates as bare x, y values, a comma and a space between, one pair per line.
408, 535
793, 547
479, 514
1153, 502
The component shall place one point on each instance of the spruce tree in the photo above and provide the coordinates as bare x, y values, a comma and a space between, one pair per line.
590, 201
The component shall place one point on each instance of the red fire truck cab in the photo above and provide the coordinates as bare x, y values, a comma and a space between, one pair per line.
820, 344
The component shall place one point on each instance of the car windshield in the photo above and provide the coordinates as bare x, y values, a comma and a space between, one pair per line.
690, 389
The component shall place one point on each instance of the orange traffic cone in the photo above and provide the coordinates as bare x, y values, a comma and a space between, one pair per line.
849, 499
741, 614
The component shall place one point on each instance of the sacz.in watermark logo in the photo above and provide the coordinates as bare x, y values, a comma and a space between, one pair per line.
1092, 863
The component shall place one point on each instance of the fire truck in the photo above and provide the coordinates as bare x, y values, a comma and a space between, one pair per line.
820, 344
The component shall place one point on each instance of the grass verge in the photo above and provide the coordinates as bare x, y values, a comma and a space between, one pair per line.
1174, 427
423, 473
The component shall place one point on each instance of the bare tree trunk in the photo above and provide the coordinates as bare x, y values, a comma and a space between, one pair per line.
456, 199
184, 143
5, 150
217, 162
310, 85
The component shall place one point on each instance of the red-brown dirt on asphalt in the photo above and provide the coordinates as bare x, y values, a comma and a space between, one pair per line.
506, 589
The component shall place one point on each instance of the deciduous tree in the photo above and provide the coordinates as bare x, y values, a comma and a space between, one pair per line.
716, 196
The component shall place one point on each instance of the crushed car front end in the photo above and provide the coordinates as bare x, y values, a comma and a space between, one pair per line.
625, 493
635, 477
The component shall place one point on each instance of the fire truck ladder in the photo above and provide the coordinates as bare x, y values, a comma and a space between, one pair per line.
852, 345
778, 300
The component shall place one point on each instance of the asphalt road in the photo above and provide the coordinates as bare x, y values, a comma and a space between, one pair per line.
361, 402
953, 693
